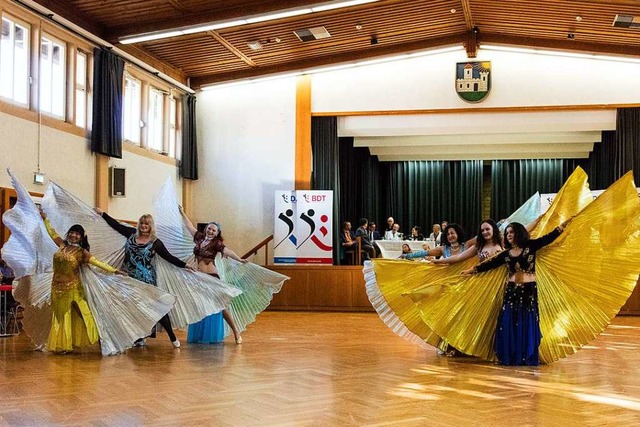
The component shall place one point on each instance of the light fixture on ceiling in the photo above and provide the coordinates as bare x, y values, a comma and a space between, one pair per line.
255, 45
218, 25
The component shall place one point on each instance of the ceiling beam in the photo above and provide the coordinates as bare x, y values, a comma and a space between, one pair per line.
156, 63
231, 48
368, 52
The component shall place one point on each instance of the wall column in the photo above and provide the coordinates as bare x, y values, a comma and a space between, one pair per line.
102, 182
303, 133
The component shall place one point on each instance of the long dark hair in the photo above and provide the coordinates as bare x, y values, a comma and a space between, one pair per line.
84, 242
444, 239
481, 242
520, 235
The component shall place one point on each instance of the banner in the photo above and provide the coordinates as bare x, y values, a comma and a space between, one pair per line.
314, 227
303, 227
284, 238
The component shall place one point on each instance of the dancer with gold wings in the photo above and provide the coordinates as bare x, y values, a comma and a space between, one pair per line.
583, 278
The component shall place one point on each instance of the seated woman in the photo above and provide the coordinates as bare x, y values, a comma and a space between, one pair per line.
416, 233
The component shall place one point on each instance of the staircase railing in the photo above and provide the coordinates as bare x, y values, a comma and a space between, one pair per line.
256, 248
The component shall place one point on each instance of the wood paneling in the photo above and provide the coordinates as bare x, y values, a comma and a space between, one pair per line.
398, 26
335, 288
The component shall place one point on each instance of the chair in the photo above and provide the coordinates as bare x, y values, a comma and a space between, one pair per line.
8, 318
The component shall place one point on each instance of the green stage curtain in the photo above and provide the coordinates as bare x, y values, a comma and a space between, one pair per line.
514, 181
426, 192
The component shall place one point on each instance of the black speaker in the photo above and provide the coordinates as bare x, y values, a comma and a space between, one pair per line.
117, 181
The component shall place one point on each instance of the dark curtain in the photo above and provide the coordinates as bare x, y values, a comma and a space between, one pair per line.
426, 192
189, 159
106, 130
325, 168
599, 165
515, 181
359, 184
627, 155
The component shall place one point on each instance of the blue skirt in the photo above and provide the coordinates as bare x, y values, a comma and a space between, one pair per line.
518, 330
207, 331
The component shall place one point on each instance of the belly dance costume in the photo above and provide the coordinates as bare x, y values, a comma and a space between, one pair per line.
210, 329
73, 325
518, 334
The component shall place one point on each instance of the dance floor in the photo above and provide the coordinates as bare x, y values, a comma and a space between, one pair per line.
319, 369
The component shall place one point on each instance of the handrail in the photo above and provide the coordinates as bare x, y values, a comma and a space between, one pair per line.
256, 248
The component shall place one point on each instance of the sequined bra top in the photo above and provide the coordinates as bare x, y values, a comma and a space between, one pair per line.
525, 262
206, 249
66, 265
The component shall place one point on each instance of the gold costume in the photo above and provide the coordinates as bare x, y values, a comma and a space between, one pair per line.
584, 277
73, 325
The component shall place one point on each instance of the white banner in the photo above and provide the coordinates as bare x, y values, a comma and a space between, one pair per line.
314, 227
303, 227
284, 238
547, 199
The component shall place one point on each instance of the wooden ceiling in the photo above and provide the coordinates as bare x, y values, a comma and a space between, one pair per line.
397, 25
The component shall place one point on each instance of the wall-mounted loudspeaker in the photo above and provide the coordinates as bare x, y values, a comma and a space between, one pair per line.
117, 181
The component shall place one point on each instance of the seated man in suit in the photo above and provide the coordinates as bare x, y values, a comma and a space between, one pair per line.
347, 241
366, 245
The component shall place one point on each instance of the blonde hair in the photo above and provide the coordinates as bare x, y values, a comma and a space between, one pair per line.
437, 226
152, 226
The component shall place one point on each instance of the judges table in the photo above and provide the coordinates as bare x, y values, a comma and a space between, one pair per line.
393, 248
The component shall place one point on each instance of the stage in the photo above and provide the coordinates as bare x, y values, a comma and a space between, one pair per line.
313, 368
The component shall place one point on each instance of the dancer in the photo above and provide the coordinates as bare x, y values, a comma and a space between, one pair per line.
487, 243
258, 284
518, 329
73, 325
208, 245
141, 247
580, 288
454, 245
76, 304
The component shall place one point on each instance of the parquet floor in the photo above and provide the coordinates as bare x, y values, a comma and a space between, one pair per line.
319, 369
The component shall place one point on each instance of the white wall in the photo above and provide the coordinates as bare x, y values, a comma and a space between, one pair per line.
246, 149
67, 160
518, 79
143, 179
64, 158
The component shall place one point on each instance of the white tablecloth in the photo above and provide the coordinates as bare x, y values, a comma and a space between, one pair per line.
393, 248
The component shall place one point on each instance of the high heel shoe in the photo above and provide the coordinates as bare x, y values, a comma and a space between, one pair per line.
238, 339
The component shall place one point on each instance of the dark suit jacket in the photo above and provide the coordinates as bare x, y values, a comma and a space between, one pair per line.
364, 236
376, 235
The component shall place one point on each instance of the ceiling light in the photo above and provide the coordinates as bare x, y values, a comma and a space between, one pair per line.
255, 45
338, 5
279, 15
560, 53
210, 26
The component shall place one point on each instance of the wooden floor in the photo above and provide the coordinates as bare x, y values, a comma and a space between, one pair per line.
319, 369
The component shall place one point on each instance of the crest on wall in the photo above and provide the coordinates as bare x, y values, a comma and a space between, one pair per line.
473, 80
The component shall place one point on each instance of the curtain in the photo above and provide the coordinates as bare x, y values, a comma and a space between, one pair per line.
514, 181
627, 155
325, 168
189, 159
426, 192
106, 130
359, 184
599, 164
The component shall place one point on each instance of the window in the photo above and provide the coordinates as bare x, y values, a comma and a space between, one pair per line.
52, 80
173, 128
81, 89
14, 61
155, 128
131, 109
